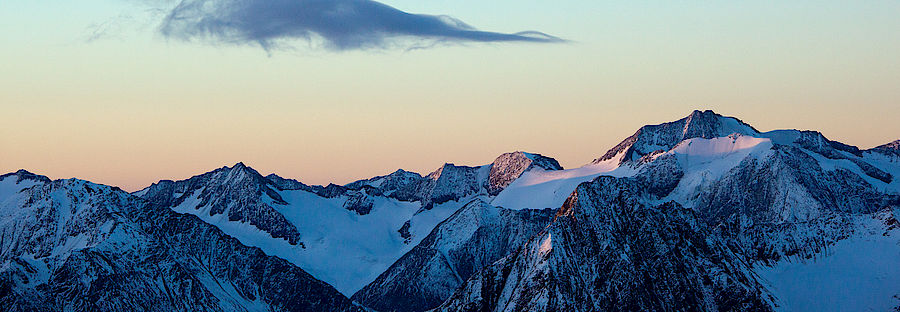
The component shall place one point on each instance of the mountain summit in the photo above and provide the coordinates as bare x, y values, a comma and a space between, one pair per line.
238, 192
662, 137
510, 166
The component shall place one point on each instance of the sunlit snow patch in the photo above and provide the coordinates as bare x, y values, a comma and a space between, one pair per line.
538, 189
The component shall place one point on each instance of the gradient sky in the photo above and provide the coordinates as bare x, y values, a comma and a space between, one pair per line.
91, 89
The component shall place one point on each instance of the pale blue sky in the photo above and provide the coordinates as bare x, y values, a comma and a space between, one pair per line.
132, 107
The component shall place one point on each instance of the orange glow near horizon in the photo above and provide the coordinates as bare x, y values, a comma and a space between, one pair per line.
133, 108
176, 148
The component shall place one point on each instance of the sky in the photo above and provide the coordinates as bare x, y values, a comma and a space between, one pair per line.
118, 92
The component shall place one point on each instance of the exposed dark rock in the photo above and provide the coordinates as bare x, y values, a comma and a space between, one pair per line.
77, 246
401, 185
609, 250
452, 182
404, 231
890, 149
22, 175
359, 202
510, 166
699, 124
472, 238
239, 192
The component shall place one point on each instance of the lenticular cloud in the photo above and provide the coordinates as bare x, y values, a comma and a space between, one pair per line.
332, 24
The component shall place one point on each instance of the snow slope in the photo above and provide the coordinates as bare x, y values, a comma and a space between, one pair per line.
705, 159
340, 247
343, 235
539, 189
72, 245
775, 198
861, 273
472, 238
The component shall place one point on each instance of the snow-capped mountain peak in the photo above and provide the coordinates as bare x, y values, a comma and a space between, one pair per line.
890, 149
451, 182
399, 176
662, 137
239, 192
73, 245
893, 145
510, 166
23, 175
286, 184
708, 124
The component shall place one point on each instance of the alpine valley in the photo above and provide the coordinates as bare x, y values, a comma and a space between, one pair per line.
705, 213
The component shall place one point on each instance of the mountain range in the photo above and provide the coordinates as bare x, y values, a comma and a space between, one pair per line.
704, 213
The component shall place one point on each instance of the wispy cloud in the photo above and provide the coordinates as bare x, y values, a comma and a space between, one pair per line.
332, 24
139, 19
102, 30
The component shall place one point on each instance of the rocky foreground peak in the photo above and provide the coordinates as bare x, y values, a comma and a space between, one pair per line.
611, 249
